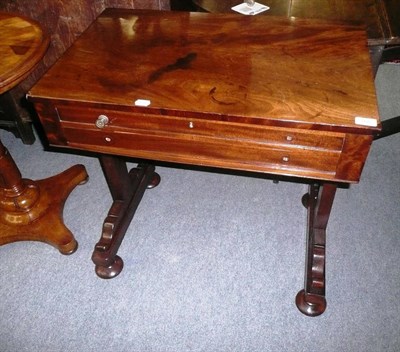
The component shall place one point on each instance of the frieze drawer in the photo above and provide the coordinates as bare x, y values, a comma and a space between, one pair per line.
214, 142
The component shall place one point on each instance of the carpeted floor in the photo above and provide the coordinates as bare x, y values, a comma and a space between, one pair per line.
213, 262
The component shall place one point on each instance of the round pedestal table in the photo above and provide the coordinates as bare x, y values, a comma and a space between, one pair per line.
30, 210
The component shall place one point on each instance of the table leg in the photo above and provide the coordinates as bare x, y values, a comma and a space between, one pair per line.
375, 53
127, 189
311, 300
389, 127
32, 210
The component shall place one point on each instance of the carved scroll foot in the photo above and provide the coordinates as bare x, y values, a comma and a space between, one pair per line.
311, 300
127, 190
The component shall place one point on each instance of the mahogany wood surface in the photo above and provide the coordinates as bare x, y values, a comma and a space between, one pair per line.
268, 85
63, 21
380, 17
30, 210
278, 96
22, 45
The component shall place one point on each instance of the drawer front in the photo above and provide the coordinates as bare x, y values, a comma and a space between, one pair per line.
203, 142
119, 121
199, 150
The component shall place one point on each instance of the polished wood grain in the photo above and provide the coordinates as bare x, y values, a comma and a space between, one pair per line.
292, 76
22, 45
30, 210
63, 21
272, 95
380, 17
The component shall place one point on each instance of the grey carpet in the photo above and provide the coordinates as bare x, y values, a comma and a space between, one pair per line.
212, 263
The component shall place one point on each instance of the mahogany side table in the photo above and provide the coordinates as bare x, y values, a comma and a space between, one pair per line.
30, 210
279, 96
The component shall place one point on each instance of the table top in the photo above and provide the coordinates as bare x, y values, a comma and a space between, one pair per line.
381, 17
22, 45
278, 71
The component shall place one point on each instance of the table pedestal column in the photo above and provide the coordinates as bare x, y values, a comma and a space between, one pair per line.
33, 210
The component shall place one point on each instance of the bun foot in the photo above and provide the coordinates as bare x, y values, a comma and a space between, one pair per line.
109, 272
310, 304
69, 248
155, 180
305, 200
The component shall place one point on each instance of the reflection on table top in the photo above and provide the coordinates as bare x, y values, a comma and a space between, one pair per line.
286, 70
382, 17
22, 45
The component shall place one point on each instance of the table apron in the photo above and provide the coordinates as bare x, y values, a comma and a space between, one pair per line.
323, 155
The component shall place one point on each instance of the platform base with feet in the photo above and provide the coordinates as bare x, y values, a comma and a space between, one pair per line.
35, 212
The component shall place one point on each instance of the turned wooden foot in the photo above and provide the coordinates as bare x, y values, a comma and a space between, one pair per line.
111, 271
311, 300
310, 304
154, 181
127, 190
33, 210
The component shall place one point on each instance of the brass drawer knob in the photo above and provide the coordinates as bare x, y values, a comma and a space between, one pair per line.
102, 121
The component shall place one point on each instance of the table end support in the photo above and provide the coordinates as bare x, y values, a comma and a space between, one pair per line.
127, 190
319, 200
